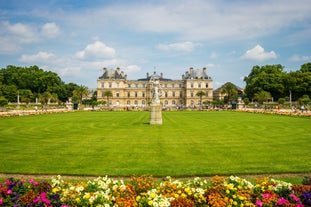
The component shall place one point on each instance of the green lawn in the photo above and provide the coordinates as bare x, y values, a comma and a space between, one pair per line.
124, 144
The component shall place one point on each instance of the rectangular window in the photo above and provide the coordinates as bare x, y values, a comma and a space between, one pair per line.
103, 85
128, 94
117, 94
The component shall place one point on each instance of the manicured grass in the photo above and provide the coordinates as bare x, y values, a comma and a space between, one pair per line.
124, 144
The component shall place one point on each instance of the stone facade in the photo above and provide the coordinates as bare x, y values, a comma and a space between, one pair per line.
137, 93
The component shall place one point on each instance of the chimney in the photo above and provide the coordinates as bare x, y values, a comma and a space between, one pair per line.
191, 70
183, 77
147, 75
161, 75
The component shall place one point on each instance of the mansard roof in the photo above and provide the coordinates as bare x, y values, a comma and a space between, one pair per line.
196, 74
113, 74
154, 76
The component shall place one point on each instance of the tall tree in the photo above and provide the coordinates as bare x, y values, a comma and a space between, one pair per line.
230, 90
262, 96
80, 92
200, 94
108, 94
266, 78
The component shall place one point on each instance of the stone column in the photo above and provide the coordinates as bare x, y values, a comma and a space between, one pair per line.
155, 114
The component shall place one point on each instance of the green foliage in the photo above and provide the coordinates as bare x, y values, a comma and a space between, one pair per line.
123, 143
3, 101
273, 79
32, 82
281, 100
79, 93
246, 101
108, 94
262, 96
231, 92
304, 100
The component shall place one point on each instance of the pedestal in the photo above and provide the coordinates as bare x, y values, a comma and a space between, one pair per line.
156, 114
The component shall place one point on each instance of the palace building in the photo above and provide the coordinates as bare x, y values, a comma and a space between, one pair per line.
137, 93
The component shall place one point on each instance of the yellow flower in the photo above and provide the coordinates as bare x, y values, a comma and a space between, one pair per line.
78, 200
150, 203
55, 190
242, 198
87, 196
235, 203
138, 198
152, 195
227, 191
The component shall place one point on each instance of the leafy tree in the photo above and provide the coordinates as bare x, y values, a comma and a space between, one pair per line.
200, 94
304, 100
108, 94
31, 78
281, 100
266, 78
246, 101
230, 90
9, 92
80, 92
25, 95
262, 96
45, 98
305, 68
3, 101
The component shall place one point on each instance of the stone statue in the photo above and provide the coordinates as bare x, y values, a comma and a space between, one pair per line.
156, 91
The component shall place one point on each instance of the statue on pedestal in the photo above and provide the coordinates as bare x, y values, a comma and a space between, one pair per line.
156, 91
155, 106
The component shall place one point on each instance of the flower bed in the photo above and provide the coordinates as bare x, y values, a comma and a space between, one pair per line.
146, 191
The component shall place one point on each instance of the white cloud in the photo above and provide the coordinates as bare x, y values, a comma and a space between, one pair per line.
298, 58
39, 57
258, 53
7, 46
210, 65
96, 50
203, 20
50, 30
132, 68
19, 32
180, 46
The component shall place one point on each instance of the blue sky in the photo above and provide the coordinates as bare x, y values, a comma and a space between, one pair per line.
76, 39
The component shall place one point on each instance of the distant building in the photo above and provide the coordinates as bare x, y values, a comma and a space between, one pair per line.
218, 95
137, 93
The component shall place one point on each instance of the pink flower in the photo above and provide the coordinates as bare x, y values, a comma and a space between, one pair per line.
258, 203
9, 192
266, 195
294, 197
282, 201
1, 201
43, 198
299, 205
